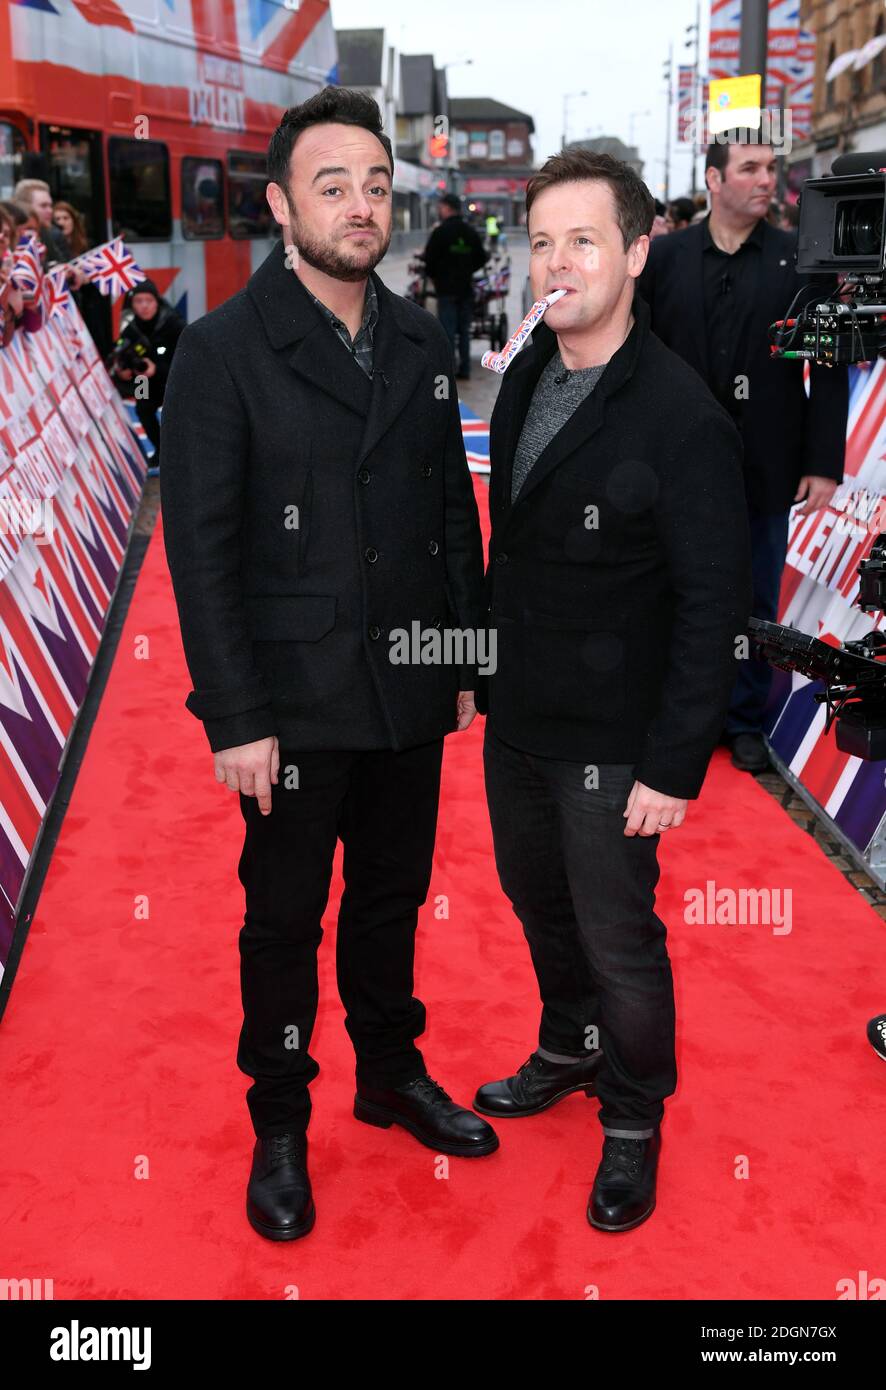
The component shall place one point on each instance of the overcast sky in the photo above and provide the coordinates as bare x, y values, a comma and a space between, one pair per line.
529, 53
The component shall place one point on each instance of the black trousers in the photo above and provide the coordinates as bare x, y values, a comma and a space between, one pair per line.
146, 410
456, 314
383, 807
769, 548
585, 894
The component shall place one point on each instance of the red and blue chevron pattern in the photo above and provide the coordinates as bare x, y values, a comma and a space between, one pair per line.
818, 593
64, 445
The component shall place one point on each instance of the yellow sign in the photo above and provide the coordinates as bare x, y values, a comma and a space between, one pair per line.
734, 101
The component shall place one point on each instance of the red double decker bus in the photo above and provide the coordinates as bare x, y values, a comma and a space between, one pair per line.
152, 118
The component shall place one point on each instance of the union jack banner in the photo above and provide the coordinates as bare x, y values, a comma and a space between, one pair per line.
801, 94
475, 432
724, 39
56, 295
111, 267
784, 30
725, 44
685, 102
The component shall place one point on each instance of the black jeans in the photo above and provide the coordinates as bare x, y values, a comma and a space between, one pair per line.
383, 807
769, 548
585, 894
456, 314
147, 414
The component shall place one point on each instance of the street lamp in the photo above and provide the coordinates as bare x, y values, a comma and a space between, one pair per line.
567, 97
693, 32
635, 115
668, 73
455, 63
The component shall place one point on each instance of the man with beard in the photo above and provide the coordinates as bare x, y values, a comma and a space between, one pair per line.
316, 503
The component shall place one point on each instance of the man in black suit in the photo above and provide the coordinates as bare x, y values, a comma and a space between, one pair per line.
618, 583
713, 290
317, 503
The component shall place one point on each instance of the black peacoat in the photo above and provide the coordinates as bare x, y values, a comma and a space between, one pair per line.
619, 579
309, 513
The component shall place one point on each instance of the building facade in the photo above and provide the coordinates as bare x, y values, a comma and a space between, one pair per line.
423, 169
494, 156
611, 144
849, 111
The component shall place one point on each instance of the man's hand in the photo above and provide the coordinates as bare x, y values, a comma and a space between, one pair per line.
466, 708
124, 372
820, 491
150, 367
250, 768
649, 812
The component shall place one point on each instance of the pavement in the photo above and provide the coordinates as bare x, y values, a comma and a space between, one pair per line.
480, 392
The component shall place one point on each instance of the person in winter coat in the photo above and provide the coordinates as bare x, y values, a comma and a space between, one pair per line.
143, 355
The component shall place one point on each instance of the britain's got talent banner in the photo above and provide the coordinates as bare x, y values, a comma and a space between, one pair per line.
70, 478
787, 63
818, 594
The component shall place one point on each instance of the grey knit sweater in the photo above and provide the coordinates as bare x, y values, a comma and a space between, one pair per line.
550, 408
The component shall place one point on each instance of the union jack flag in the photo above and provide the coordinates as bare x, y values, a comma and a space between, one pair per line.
112, 268
27, 266
56, 295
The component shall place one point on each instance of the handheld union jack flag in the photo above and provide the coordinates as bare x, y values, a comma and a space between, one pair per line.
56, 295
27, 266
112, 268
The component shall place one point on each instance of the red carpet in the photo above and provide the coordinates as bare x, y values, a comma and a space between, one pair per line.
126, 1141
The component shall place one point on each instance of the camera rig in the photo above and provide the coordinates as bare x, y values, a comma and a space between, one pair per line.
837, 332
854, 673
841, 233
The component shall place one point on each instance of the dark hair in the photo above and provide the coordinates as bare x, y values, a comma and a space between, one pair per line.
682, 209
718, 150
634, 204
17, 214
145, 286
338, 104
450, 200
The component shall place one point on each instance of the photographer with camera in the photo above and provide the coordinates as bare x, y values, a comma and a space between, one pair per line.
141, 357
714, 289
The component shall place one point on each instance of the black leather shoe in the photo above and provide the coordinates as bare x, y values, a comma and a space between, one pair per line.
538, 1084
749, 752
424, 1108
623, 1194
279, 1204
877, 1035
